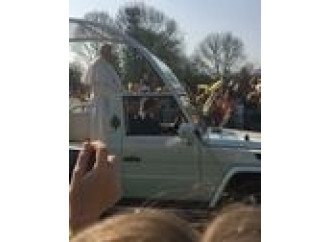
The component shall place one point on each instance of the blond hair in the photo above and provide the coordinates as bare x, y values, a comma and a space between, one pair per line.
145, 226
236, 223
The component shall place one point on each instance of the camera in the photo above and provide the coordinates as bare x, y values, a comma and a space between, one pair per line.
91, 159
73, 156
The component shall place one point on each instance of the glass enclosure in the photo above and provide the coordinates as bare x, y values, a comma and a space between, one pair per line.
140, 71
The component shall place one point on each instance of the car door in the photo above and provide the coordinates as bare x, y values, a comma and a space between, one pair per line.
158, 166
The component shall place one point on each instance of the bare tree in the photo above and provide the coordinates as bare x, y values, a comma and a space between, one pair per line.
218, 53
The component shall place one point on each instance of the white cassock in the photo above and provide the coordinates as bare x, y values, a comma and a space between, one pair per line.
104, 82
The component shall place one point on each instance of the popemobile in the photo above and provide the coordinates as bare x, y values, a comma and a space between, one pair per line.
186, 162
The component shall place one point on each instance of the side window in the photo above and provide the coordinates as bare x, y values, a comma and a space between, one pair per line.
152, 115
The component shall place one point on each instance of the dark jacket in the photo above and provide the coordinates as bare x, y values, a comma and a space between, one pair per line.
150, 125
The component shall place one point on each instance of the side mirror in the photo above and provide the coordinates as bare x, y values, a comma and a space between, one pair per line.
186, 131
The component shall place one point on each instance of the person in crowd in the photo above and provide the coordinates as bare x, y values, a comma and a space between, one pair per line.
252, 112
150, 122
237, 223
236, 117
103, 82
95, 185
147, 225
222, 108
134, 120
239, 113
134, 87
217, 111
130, 87
144, 83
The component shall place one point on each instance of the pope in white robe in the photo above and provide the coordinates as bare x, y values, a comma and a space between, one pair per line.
105, 84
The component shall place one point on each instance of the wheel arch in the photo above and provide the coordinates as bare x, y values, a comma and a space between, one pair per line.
230, 175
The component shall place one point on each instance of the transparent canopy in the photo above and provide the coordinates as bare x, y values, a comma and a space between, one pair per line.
84, 32
91, 32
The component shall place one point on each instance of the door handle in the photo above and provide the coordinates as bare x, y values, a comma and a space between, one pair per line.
132, 159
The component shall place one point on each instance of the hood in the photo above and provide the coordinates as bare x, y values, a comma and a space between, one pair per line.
230, 138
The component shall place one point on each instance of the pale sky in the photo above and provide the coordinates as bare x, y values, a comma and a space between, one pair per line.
197, 18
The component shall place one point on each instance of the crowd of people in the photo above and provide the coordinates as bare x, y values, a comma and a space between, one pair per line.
235, 103
146, 84
232, 105
224, 107
94, 188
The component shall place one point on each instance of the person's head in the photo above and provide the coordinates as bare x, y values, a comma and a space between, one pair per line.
144, 226
228, 94
133, 106
238, 223
106, 52
150, 106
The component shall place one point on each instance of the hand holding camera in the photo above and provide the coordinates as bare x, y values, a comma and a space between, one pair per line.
95, 184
